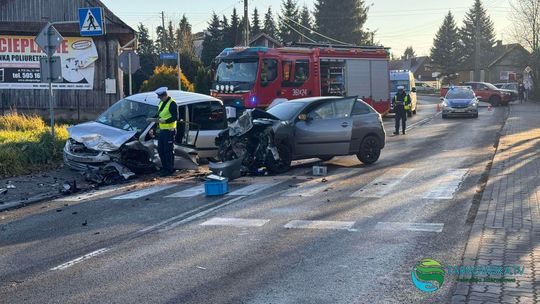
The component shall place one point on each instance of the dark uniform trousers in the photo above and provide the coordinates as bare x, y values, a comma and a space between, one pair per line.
166, 149
401, 115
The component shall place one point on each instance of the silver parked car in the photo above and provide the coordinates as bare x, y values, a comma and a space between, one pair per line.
460, 101
318, 127
121, 140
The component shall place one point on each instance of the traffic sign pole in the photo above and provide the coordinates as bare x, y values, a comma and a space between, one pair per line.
51, 92
130, 77
179, 73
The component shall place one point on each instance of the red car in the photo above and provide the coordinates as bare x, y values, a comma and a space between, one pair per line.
487, 92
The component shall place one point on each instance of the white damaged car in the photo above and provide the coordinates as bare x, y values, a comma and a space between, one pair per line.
121, 143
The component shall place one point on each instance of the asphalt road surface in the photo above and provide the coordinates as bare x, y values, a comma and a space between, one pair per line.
353, 237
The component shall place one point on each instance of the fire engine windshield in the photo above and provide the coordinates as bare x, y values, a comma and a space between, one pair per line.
237, 70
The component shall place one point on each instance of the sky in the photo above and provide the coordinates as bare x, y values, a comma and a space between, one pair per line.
397, 23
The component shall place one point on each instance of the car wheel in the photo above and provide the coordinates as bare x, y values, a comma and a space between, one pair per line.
475, 115
283, 164
495, 101
369, 150
444, 116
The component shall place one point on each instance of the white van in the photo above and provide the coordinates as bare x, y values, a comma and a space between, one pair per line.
403, 78
122, 136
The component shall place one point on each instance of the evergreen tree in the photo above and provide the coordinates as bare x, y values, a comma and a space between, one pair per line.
213, 41
477, 28
256, 23
409, 53
232, 34
270, 27
342, 20
289, 11
148, 58
306, 22
184, 37
446, 46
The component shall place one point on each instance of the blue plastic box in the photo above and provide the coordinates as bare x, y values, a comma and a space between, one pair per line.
215, 188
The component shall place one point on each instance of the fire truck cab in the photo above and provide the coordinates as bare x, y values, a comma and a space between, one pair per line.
255, 77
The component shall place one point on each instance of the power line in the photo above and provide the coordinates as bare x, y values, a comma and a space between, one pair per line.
299, 33
315, 32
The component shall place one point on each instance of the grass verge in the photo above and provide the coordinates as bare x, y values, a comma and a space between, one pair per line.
26, 144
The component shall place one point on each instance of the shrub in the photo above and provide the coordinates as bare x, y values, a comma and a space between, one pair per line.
165, 76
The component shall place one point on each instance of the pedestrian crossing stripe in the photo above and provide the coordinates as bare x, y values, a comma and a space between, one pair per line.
416, 227
332, 225
143, 193
235, 222
190, 192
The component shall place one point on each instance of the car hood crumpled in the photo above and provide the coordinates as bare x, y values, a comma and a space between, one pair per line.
100, 137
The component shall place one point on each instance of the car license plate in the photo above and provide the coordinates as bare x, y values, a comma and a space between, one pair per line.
459, 110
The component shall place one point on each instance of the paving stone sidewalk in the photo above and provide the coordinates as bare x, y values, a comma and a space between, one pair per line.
506, 231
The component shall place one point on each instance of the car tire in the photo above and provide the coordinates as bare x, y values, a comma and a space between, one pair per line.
495, 101
283, 164
475, 115
370, 150
444, 116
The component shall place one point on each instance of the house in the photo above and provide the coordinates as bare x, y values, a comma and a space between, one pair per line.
419, 66
506, 64
265, 40
92, 80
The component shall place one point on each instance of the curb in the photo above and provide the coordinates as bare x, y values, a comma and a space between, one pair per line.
32, 200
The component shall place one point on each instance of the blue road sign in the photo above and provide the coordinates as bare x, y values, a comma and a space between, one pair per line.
91, 21
168, 56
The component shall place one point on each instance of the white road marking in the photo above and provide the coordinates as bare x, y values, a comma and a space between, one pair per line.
384, 183
235, 222
200, 214
80, 259
190, 192
316, 186
422, 227
86, 196
445, 186
253, 189
143, 193
299, 224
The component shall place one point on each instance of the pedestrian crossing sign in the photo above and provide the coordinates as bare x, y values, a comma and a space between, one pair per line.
91, 21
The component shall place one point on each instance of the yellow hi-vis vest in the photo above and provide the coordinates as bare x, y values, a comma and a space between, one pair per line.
166, 114
406, 102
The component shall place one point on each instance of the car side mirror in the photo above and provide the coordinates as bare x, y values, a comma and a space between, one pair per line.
413, 90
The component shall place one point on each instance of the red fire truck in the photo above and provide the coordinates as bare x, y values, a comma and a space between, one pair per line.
255, 77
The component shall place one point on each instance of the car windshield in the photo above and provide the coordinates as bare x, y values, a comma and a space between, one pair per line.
286, 110
128, 115
238, 70
490, 86
460, 94
397, 83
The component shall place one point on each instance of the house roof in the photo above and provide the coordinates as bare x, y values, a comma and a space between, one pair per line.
503, 50
412, 64
267, 37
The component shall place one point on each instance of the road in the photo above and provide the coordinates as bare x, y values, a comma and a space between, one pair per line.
353, 237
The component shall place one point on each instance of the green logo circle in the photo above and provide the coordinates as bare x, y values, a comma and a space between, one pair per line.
428, 275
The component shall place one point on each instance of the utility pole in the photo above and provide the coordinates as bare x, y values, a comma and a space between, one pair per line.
246, 23
163, 31
477, 52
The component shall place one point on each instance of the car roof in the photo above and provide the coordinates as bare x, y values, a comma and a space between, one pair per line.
315, 99
181, 97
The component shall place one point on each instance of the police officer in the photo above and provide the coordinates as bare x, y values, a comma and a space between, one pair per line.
166, 117
402, 104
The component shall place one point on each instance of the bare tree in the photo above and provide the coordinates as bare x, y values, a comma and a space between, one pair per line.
526, 30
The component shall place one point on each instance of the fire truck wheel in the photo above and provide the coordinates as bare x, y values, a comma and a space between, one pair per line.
283, 164
369, 150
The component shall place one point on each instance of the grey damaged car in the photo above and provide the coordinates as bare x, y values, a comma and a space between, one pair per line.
320, 127
121, 143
